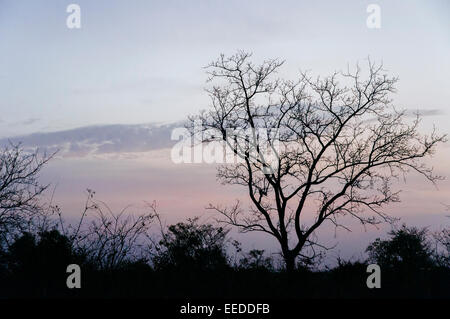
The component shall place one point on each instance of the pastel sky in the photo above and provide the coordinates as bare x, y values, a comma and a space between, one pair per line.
138, 62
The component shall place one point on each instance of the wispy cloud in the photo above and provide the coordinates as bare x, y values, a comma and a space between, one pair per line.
100, 139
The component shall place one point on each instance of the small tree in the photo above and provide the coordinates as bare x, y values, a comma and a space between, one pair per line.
338, 146
192, 246
37, 263
408, 248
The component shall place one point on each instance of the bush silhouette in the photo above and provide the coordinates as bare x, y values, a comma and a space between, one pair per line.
192, 246
37, 263
407, 249
191, 260
256, 261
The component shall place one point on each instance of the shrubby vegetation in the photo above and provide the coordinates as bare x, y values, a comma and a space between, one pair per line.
192, 246
200, 260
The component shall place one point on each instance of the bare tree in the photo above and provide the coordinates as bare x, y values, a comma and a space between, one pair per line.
20, 190
108, 239
339, 144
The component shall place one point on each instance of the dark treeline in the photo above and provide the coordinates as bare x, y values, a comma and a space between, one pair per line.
127, 254
191, 259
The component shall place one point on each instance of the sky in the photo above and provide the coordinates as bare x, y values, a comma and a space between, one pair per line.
136, 63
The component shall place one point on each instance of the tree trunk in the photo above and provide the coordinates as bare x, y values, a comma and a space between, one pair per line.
289, 259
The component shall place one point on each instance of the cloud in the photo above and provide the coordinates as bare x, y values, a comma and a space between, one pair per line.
100, 139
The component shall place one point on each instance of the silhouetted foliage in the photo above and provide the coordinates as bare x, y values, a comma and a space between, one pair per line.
407, 249
347, 269
255, 260
192, 246
37, 263
192, 261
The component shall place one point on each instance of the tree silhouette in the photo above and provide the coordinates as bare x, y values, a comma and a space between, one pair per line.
192, 246
407, 249
336, 144
20, 190
37, 263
